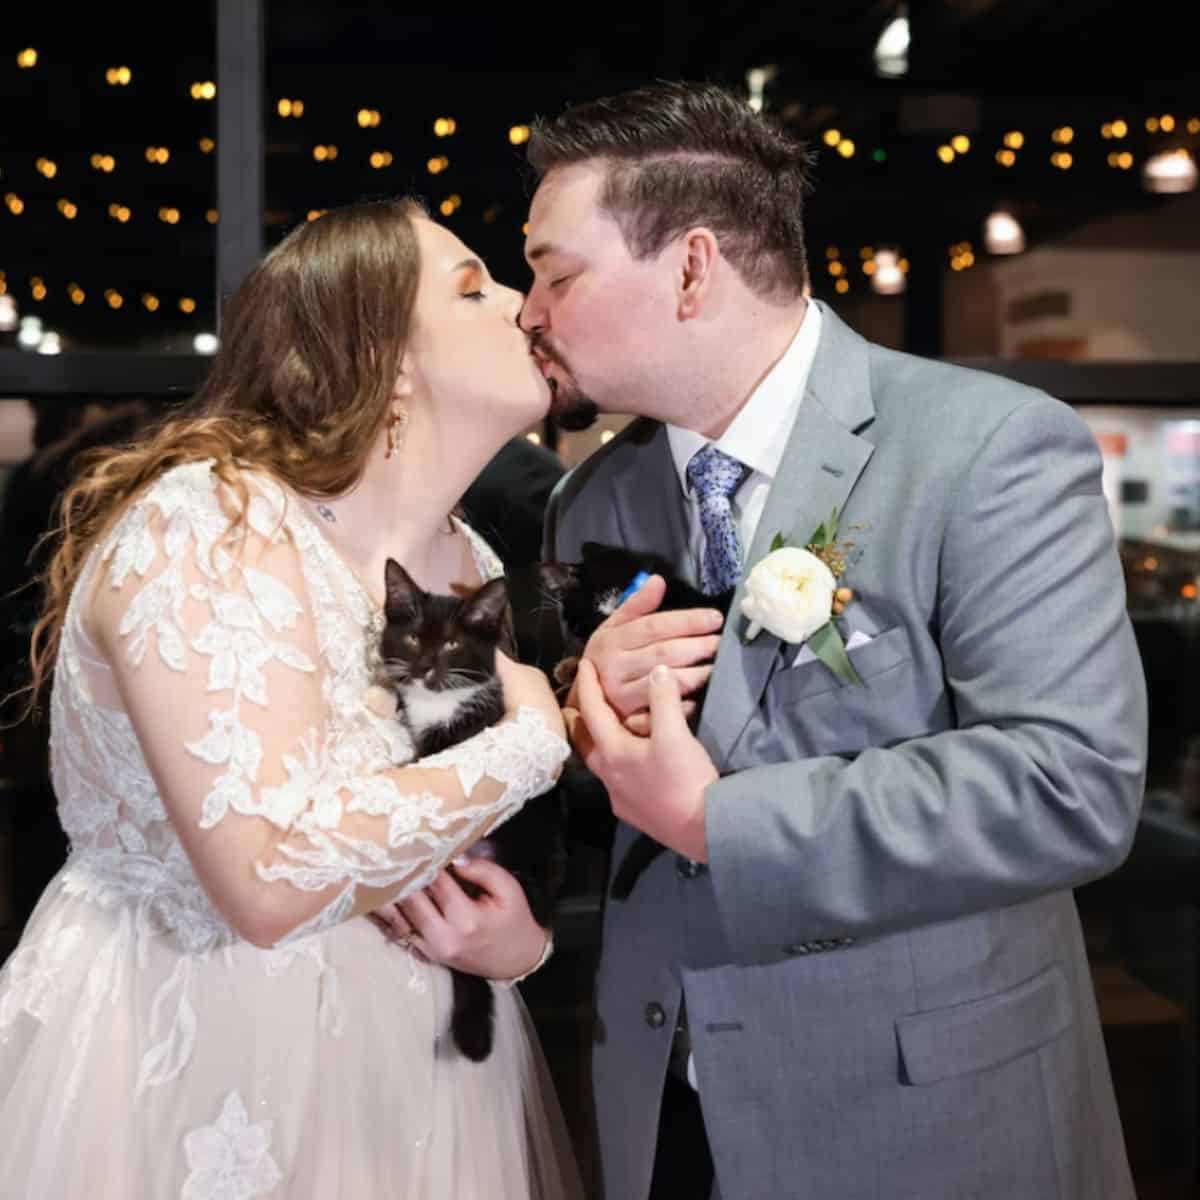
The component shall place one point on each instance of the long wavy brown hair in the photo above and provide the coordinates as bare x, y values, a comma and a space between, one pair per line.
300, 388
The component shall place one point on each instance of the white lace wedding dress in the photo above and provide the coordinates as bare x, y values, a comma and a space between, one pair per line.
146, 1050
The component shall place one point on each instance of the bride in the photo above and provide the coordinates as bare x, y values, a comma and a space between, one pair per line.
198, 1007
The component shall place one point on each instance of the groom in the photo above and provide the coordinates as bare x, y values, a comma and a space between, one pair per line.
858, 971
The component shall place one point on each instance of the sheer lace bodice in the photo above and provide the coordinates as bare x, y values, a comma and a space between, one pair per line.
245, 662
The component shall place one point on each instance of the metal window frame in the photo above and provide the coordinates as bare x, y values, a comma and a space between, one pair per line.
239, 238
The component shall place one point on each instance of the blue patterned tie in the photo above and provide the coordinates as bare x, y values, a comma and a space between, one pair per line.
715, 476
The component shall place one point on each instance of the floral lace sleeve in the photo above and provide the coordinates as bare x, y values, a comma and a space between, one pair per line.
243, 668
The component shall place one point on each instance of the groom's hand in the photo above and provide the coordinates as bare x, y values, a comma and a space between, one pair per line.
654, 783
637, 638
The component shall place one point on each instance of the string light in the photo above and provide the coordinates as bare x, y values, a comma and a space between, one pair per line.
114, 298
435, 166
77, 294
150, 301
832, 137
290, 108
960, 143
1166, 123
518, 135
27, 58
37, 287
16, 205
314, 213
1062, 160
1063, 136
187, 304
325, 153
103, 162
168, 215
450, 205
210, 216
369, 118
68, 210
1006, 158
445, 127
47, 167
846, 148
205, 90
207, 145
118, 76
1014, 139
945, 153
157, 154
380, 159
119, 212
841, 286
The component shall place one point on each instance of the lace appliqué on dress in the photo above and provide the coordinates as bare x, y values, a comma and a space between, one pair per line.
231, 1159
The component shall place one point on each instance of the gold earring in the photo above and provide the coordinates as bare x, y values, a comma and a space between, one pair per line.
395, 431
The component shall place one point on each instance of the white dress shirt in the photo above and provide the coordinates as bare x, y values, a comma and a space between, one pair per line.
757, 437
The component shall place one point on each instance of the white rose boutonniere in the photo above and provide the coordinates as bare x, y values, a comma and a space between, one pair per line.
793, 593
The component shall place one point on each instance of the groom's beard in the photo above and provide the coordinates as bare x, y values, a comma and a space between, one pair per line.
572, 410
570, 407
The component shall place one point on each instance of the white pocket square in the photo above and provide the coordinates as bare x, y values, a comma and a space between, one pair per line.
805, 654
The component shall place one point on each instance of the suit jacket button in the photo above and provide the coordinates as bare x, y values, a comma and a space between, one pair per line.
656, 1016
686, 869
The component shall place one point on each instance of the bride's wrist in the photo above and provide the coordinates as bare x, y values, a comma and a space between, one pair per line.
543, 957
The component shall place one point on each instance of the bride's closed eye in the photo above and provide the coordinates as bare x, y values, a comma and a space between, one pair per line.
475, 295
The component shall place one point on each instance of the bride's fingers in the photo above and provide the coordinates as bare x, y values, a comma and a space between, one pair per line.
422, 914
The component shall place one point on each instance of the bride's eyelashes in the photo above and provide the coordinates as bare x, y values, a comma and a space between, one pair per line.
475, 295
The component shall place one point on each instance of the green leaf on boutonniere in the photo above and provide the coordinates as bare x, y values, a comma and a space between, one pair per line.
778, 542
828, 646
825, 532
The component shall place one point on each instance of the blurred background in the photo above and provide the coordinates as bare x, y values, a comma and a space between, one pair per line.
1006, 183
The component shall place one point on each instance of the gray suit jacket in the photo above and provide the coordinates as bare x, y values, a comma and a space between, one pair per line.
886, 984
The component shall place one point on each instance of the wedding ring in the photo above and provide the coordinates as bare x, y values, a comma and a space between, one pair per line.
404, 939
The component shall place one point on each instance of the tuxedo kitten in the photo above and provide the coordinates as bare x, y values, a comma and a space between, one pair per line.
586, 593
439, 659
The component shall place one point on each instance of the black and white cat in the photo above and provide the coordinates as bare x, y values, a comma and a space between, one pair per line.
591, 590
439, 660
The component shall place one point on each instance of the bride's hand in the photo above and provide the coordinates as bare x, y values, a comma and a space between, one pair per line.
493, 935
527, 687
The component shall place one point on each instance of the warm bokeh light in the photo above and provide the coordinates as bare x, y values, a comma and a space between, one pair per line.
158, 154
47, 167
435, 166
68, 210
187, 304
960, 143
846, 148
1006, 158
832, 137
210, 216
445, 126
114, 298
207, 145
1014, 139
518, 135
150, 302
15, 204
118, 76
205, 90
842, 287
27, 58
945, 153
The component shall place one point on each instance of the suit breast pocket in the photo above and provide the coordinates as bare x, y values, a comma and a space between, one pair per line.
807, 710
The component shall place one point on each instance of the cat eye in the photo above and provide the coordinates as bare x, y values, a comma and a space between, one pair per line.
452, 644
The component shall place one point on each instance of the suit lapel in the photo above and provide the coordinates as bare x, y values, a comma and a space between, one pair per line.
821, 464
650, 507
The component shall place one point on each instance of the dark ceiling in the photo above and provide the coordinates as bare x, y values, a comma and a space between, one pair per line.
977, 67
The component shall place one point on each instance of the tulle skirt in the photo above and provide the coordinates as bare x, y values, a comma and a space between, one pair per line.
130, 1068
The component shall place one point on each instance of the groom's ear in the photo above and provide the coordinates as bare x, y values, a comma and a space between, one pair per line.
699, 252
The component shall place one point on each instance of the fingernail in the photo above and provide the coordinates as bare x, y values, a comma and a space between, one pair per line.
660, 674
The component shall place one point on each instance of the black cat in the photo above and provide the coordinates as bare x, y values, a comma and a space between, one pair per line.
586, 593
439, 657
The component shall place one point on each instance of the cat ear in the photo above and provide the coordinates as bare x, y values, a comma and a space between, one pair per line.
557, 578
403, 595
483, 611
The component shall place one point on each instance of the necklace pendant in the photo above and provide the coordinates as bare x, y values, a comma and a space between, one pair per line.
327, 514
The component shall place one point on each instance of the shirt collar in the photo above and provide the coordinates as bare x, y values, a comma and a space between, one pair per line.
758, 434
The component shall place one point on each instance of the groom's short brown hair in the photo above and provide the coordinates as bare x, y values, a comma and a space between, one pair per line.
678, 155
